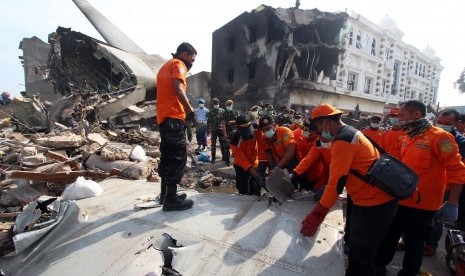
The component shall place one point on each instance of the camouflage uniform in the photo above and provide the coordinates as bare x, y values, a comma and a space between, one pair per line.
214, 128
225, 118
283, 121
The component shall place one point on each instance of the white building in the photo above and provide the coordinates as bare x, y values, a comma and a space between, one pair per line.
378, 65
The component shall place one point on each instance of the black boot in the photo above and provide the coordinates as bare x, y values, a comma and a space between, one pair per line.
161, 196
174, 203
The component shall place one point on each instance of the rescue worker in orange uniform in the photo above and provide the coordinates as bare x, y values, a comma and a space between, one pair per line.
433, 154
296, 121
319, 154
373, 209
172, 107
391, 140
244, 147
374, 131
281, 144
305, 141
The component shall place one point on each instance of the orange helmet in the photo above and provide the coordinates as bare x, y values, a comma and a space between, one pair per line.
324, 110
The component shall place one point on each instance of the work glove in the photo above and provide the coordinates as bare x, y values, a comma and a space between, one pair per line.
313, 220
447, 213
293, 176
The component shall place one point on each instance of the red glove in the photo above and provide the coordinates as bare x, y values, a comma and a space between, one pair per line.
313, 220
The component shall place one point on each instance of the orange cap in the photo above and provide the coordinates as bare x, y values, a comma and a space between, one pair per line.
324, 110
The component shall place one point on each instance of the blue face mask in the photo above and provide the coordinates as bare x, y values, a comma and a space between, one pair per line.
326, 134
394, 121
269, 133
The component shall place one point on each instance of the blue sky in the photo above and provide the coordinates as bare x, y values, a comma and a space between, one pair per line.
159, 26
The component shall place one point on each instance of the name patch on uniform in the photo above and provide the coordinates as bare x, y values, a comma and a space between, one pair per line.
422, 146
446, 146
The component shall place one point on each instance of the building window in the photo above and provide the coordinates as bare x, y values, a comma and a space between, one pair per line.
395, 77
231, 44
384, 87
230, 75
416, 68
373, 47
351, 84
414, 95
358, 44
351, 36
252, 34
368, 82
251, 71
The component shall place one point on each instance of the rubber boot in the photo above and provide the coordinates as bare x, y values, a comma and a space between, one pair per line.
161, 196
174, 203
213, 155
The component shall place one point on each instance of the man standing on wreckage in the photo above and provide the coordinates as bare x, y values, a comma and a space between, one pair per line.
172, 107
373, 209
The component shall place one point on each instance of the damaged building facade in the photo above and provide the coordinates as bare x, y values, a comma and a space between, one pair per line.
302, 58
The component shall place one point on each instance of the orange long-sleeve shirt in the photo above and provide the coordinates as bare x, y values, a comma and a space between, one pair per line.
278, 143
317, 155
391, 142
435, 157
352, 150
245, 151
374, 134
262, 144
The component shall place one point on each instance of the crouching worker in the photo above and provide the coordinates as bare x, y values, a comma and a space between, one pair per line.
373, 209
244, 147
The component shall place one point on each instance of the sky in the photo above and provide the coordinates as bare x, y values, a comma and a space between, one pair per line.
159, 26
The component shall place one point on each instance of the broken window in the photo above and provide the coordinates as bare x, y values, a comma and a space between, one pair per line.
251, 71
230, 75
373, 47
358, 44
351, 84
231, 44
252, 34
368, 82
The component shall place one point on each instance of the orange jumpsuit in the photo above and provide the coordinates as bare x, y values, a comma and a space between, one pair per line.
304, 146
435, 157
352, 150
391, 141
277, 144
320, 155
374, 134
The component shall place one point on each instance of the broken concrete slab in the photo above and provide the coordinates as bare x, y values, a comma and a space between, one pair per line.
18, 192
28, 151
137, 171
116, 151
35, 160
152, 151
10, 158
225, 172
57, 177
97, 138
62, 140
88, 150
96, 162
63, 158
29, 112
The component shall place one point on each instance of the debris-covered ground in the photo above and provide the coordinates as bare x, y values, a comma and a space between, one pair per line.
38, 163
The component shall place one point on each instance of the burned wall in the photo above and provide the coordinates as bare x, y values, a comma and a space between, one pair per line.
34, 59
269, 47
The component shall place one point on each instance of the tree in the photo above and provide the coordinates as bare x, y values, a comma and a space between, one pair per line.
460, 83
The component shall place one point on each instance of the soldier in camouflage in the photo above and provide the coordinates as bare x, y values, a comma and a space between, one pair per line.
228, 124
214, 129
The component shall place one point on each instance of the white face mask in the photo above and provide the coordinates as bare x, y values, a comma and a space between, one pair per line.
305, 133
229, 107
254, 113
286, 115
326, 145
374, 125
298, 121
201, 105
216, 106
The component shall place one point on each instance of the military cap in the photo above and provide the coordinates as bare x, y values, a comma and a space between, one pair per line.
265, 120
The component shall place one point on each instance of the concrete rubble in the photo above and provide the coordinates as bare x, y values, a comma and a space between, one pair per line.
43, 157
